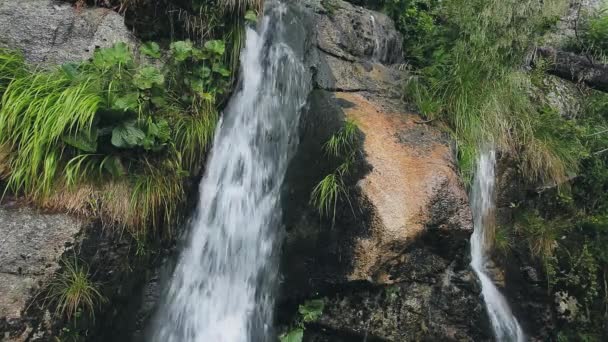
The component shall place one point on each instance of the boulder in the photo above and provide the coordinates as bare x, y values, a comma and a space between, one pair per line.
53, 32
393, 264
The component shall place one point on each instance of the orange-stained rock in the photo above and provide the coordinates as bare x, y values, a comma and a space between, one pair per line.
412, 167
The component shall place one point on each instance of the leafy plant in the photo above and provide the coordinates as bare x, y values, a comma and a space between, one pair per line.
91, 124
308, 312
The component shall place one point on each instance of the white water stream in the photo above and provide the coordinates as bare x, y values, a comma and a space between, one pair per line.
504, 323
222, 287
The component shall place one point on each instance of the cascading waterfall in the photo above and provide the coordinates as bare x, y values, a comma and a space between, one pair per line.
504, 323
221, 288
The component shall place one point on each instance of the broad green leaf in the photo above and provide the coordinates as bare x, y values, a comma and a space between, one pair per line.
119, 54
203, 72
150, 49
127, 135
311, 310
221, 70
216, 46
84, 141
127, 102
181, 50
251, 16
147, 77
199, 55
295, 335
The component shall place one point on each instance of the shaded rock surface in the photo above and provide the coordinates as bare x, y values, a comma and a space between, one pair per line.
393, 265
54, 32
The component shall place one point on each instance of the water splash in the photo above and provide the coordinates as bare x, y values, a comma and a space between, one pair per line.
504, 323
221, 288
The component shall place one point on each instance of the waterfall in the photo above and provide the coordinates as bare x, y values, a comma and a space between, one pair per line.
222, 287
504, 323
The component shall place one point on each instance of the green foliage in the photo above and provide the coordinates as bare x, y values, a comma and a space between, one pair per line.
571, 235
72, 290
311, 310
308, 312
470, 78
294, 335
330, 6
503, 241
342, 142
150, 49
342, 146
593, 34
11, 65
95, 122
417, 21
325, 195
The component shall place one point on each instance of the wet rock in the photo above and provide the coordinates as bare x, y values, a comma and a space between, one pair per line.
53, 32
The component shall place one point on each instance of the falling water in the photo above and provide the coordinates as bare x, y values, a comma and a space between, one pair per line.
504, 323
380, 51
221, 288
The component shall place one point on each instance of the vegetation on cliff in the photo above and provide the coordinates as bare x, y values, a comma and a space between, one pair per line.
469, 59
117, 137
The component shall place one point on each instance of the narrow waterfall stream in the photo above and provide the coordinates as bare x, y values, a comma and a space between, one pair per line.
504, 323
222, 286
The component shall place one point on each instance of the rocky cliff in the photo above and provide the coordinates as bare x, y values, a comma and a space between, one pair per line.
394, 264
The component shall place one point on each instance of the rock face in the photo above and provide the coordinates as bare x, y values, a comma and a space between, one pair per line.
31, 244
393, 265
53, 32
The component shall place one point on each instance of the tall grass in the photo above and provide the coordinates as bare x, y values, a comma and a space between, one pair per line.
72, 290
594, 33
36, 111
193, 134
155, 198
11, 65
476, 86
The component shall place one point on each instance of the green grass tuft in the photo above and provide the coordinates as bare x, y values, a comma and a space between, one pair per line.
72, 290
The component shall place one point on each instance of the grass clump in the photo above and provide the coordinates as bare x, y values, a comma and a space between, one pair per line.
341, 146
72, 291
